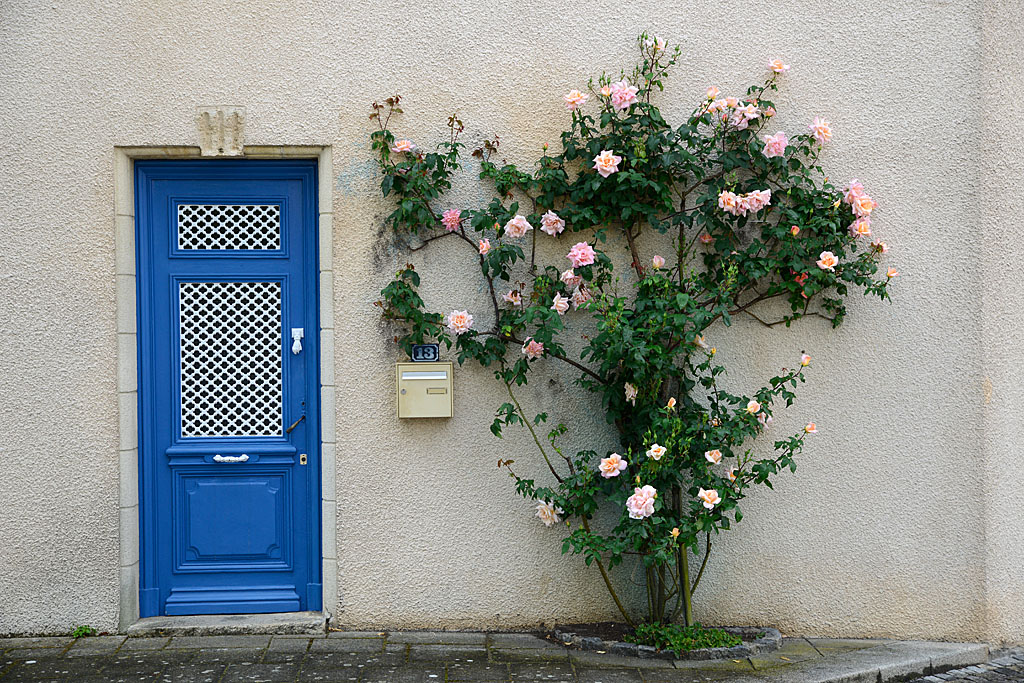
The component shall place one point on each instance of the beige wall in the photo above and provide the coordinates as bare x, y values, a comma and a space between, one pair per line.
905, 517
1000, 211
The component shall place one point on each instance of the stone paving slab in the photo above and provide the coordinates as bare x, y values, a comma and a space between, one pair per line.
348, 645
440, 657
356, 634
144, 644
521, 641
584, 659
252, 642
419, 653
438, 637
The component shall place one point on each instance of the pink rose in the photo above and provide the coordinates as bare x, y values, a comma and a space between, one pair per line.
484, 246
775, 145
853, 190
757, 200
658, 261
548, 513
551, 223
794, 231
737, 120
863, 205
581, 254
706, 238
574, 99
861, 228
891, 273
729, 202
402, 146
811, 428
805, 360
517, 227
451, 219
606, 163
533, 349
880, 246
769, 112
777, 66
827, 261
612, 466
712, 92
513, 297
656, 452
606, 90
623, 95
821, 130
710, 498
561, 304
641, 503
732, 473
713, 456
459, 322
571, 279
630, 393
656, 44
580, 296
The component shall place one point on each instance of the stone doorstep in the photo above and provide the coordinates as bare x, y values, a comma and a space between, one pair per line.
287, 623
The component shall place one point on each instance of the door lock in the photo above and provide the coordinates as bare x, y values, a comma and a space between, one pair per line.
303, 459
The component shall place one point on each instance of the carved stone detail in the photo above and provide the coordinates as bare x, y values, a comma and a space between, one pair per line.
221, 131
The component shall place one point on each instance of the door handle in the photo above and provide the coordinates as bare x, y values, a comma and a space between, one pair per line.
231, 458
295, 424
297, 334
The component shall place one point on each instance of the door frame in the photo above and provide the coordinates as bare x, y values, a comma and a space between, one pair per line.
127, 363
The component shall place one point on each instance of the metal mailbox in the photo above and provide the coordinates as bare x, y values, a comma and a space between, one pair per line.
424, 389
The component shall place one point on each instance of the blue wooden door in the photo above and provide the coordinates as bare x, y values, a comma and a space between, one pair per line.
229, 451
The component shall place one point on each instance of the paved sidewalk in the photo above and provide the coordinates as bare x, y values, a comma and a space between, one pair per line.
1009, 666
437, 657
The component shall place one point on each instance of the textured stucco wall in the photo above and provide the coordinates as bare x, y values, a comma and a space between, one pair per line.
901, 519
1000, 209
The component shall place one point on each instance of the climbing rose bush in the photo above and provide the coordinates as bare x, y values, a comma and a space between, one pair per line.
744, 216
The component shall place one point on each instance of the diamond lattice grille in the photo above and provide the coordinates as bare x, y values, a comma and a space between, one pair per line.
230, 358
229, 226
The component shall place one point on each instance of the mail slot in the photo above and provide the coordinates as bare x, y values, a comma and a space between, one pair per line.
424, 389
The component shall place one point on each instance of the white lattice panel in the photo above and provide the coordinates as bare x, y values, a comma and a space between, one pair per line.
230, 358
229, 226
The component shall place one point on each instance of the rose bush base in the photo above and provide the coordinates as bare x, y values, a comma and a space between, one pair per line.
756, 640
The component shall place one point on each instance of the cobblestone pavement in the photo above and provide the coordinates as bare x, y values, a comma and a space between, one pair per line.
439, 657
1008, 666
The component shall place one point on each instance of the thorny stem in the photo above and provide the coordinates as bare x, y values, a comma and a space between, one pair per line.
561, 357
431, 239
533, 433
634, 252
608, 581
707, 553
683, 562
